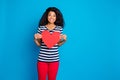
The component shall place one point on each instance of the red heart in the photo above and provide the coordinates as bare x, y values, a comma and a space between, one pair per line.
50, 39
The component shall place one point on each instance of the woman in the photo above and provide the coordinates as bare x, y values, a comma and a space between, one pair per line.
48, 59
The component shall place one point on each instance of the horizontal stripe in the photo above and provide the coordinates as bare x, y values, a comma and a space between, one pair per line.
48, 60
44, 47
49, 55
44, 57
51, 49
43, 44
48, 52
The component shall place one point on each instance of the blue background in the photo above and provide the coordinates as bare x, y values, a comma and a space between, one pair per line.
92, 50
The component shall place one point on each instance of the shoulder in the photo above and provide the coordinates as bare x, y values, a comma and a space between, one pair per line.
59, 27
41, 27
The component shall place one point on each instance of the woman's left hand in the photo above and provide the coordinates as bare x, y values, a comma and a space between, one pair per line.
63, 36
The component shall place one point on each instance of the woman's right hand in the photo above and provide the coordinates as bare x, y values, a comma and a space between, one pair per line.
37, 36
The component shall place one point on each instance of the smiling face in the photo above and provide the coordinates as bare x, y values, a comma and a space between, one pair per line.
51, 17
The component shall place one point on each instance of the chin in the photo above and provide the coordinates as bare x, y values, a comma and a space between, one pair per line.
51, 22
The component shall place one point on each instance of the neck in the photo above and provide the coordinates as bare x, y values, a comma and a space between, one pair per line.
50, 26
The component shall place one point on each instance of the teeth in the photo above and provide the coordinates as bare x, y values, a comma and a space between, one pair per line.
51, 20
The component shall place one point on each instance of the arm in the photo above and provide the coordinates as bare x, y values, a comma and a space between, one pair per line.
63, 38
37, 39
61, 42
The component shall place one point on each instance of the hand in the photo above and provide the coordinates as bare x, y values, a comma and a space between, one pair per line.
37, 36
63, 36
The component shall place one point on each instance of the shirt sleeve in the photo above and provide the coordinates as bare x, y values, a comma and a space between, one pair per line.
61, 30
39, 30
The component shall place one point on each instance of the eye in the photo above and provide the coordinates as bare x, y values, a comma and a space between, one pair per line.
49, 14
54, 15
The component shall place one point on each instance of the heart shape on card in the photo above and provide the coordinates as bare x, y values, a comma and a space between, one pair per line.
50, 39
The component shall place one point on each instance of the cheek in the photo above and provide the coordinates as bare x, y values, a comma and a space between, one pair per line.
48, 17
55, 18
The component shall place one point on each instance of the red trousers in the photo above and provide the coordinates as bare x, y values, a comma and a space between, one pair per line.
49, 69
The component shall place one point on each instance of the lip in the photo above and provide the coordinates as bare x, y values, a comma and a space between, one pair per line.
52, 20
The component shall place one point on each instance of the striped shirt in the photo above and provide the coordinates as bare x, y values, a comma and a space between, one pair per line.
48, 54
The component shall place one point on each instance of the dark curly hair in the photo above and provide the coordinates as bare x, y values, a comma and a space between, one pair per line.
59, 17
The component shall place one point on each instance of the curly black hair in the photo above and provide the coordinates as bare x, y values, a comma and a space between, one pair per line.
59, 17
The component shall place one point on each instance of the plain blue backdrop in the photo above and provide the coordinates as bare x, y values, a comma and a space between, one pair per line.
92, 50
